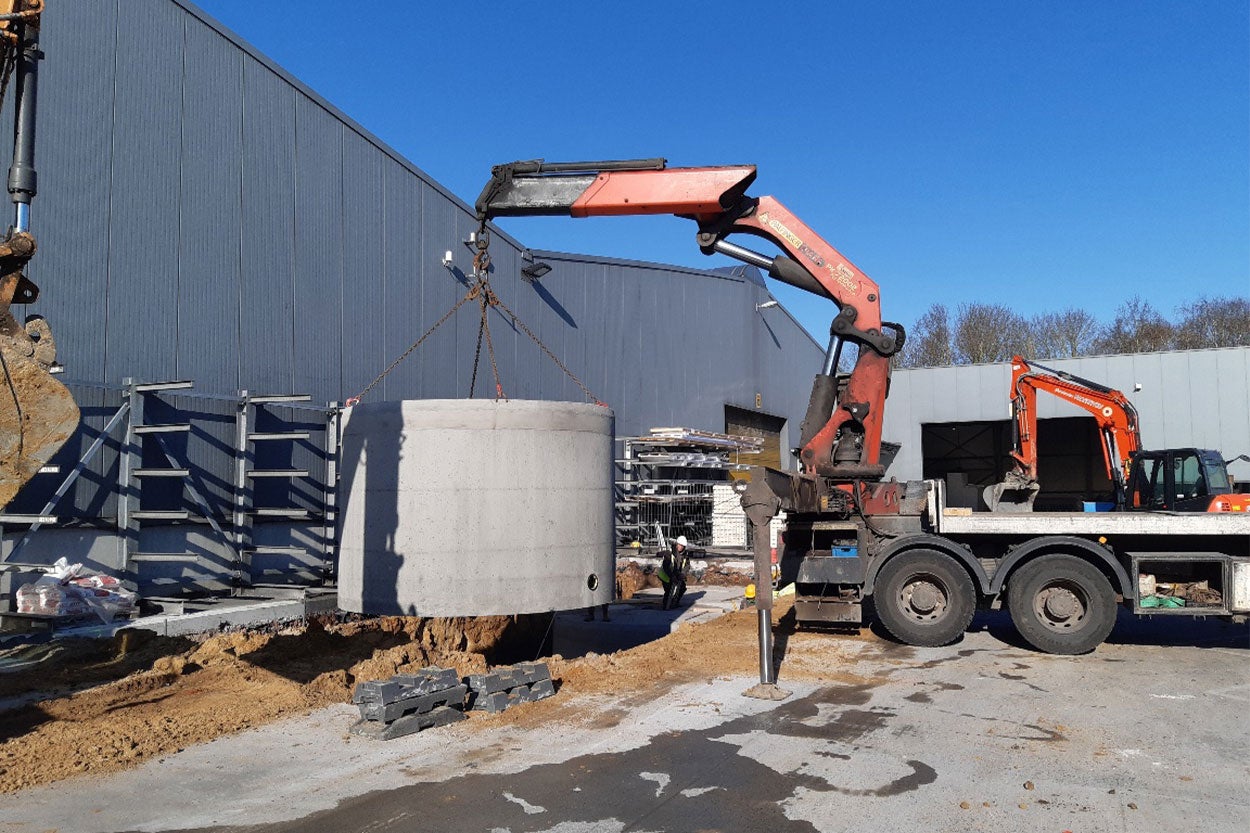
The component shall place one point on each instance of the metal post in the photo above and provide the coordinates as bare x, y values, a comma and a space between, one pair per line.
240, 519
767, 675
130, 458
330, 502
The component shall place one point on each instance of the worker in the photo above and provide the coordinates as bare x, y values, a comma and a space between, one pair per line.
672, 573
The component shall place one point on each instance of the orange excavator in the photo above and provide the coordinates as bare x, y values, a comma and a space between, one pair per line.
1115, 415
1185, 479
37, 412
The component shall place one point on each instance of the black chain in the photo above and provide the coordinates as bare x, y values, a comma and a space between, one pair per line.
490, 349
521, 325
477, 350
486, 299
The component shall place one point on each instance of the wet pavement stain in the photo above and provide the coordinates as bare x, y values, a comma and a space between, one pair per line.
712, 784
919, 697
1043, 734
1021, 678
921, 774
964, 654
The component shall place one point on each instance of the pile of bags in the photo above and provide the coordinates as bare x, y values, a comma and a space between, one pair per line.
69, 590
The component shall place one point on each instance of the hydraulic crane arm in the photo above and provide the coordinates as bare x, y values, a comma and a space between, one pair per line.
841, 436
1114, 413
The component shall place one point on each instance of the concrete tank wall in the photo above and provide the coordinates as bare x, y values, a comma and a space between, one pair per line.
469, 507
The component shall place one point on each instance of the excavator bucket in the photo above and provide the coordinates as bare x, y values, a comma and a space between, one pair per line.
37, 412
1015, 493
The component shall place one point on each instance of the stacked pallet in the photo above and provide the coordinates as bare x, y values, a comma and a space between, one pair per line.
408, 703
504, 688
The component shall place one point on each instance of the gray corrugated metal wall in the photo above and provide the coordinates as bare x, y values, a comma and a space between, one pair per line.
204, 216
1197, 398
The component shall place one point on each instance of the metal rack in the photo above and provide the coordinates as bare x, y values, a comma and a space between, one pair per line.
671, 482
159, 494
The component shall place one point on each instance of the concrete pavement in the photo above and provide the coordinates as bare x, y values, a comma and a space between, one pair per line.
982, 735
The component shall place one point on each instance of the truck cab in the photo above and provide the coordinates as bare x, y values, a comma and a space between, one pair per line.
1182, 480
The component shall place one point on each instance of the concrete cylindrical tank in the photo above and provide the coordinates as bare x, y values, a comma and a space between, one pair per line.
469, 507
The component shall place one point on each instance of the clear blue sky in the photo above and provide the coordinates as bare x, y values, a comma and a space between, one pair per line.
1041, 154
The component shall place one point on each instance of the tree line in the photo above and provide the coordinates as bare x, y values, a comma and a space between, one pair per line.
979, 333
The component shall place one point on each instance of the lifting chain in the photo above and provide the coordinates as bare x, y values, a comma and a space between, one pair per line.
486, 298
481, 292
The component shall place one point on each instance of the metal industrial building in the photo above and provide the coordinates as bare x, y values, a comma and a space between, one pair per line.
203, 216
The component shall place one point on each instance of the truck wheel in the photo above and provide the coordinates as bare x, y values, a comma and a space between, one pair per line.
1061, 604
924, 598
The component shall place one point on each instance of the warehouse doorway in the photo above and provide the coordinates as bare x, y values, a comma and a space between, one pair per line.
767, 427
972, 455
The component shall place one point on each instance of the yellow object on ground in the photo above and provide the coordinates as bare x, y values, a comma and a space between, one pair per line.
750, 591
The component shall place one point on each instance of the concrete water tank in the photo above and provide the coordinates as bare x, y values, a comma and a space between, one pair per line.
468, 507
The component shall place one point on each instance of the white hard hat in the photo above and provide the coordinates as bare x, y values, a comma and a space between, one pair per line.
682, 542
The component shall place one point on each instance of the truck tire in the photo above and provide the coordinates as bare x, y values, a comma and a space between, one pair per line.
1061, 604
924, 598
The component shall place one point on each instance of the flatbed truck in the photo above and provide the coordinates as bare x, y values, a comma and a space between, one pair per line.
928, 566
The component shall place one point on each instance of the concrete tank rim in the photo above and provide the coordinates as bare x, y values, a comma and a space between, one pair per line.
482, 404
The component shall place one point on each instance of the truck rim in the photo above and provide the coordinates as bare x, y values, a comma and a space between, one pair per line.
1060, 606
924, 598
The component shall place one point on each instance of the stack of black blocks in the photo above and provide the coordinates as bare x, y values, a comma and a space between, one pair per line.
506, 687
408, 703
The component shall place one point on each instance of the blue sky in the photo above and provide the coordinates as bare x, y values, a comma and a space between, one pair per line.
1040, 155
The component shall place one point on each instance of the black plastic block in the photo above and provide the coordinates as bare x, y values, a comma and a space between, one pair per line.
388, 712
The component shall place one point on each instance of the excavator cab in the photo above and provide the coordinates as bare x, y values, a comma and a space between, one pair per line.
1182, 480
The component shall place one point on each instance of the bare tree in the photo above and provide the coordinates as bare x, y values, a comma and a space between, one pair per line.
1137, 328
988, 333
929, 342
1214, 322
1063, 335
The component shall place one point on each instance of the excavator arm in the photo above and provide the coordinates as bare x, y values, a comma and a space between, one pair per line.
1114, 413
37, 412
841, 435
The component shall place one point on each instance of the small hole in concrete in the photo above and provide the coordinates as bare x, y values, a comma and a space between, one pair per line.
592, 581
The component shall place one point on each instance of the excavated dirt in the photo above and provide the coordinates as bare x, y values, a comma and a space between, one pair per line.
104, 705
632, 577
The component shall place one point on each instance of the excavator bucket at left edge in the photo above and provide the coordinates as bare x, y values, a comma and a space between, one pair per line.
37, 412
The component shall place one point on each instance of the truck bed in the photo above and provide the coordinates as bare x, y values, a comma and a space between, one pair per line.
951, 521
